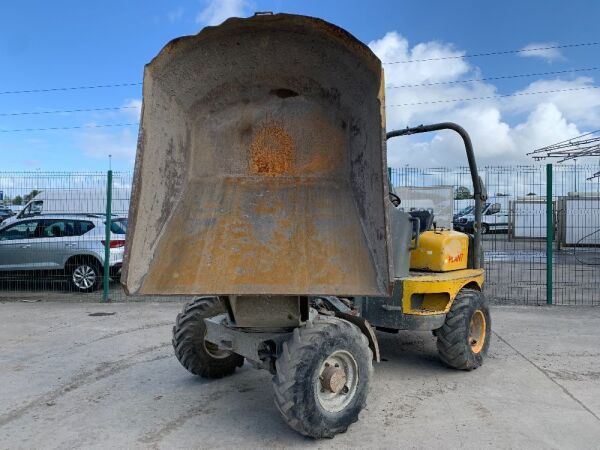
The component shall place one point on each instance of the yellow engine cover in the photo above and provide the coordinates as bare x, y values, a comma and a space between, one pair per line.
440, 251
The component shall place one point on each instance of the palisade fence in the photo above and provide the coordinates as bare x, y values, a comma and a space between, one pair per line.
65, 231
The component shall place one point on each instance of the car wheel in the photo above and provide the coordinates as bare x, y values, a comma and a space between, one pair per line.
84, 276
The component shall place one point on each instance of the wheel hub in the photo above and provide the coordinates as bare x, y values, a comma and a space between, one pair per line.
84, 277
337, 381
333, 378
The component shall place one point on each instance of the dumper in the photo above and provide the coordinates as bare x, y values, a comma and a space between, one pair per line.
261, 187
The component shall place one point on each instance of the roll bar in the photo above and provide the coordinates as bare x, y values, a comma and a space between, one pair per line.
478, 189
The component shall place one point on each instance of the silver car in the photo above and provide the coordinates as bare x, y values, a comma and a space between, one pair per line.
69, 245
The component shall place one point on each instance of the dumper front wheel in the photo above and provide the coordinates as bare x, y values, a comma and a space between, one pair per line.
193, 352
464, 339
323, 376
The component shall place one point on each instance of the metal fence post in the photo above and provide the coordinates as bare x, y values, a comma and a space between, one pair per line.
549, 233
106, 280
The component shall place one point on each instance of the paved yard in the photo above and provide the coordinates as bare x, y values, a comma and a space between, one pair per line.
72, 380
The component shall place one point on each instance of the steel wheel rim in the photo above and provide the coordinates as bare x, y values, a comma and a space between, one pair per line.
477, 330
84, 276
332, 401
213, 349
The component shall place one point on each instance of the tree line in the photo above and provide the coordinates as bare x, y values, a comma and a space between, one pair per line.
18, 200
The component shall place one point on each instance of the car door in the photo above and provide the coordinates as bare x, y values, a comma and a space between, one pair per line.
56, 243
88, 239
16, 244
502, 220
491, 216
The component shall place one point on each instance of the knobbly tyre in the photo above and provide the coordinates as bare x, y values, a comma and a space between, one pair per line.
261, 179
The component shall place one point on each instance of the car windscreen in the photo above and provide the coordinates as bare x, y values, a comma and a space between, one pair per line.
35, 207
485, 208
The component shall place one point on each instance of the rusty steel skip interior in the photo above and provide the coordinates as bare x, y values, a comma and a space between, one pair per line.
261, 164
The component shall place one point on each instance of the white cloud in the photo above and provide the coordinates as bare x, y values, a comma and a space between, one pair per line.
216, 11
500, 135
542, 50
393, 47
545, 125
175, 14
121, 145
134, 108
577, 99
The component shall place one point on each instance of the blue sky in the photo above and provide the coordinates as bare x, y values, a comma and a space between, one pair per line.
76, 43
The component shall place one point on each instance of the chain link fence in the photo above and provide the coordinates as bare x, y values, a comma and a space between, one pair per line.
53, 236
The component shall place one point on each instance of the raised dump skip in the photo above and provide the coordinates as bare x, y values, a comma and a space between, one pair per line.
261, 164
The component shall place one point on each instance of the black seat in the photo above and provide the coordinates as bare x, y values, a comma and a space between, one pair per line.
56, 232
425, 219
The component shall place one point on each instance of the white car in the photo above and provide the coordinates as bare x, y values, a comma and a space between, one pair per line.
71, 246
493, 218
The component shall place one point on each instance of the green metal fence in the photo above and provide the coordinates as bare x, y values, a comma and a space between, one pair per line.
543, 245
542, 241
65, 240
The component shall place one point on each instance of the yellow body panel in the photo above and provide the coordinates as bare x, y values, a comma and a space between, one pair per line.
433, 293
440, 251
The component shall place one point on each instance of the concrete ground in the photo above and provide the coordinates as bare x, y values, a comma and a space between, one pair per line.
72, 380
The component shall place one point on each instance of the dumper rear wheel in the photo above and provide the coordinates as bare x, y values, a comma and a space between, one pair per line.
323, 377
464, 339
191, 349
